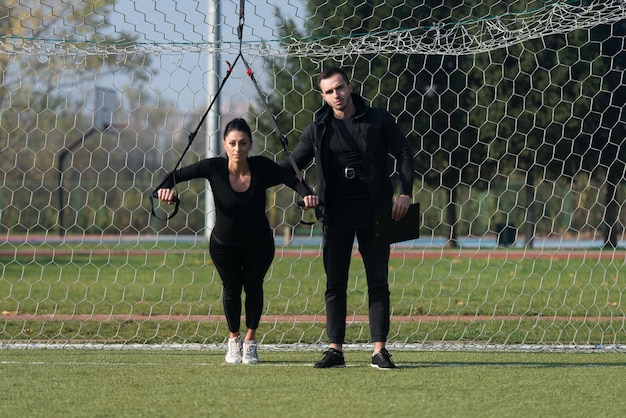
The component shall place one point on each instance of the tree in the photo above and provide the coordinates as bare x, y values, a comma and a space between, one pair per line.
606, 125
533, 99
43, 95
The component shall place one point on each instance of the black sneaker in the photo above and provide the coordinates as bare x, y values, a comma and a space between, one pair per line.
332, 358
382, 360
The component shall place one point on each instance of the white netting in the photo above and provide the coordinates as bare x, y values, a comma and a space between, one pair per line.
468, 36
514, 111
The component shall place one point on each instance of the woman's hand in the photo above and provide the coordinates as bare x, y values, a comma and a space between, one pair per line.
311, 201
167, 195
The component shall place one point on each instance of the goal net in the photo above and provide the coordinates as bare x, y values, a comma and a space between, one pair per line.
514, 111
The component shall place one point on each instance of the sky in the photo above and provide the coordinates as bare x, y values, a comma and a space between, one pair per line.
183, 76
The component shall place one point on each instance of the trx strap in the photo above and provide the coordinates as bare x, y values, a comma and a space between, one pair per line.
192, 136
176, 201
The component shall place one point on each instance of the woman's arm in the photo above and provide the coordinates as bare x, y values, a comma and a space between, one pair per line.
282, 175
200, 169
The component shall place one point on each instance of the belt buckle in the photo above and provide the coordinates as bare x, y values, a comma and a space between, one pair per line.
349, 173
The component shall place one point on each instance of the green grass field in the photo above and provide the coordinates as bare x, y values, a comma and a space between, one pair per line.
529, 300
88, 383
515, 292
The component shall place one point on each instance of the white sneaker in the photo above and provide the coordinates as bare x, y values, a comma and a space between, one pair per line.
233, 355
250, 355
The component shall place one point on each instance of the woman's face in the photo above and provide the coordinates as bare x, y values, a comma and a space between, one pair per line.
237, 145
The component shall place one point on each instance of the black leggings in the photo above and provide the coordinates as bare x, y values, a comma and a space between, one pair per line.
242, 268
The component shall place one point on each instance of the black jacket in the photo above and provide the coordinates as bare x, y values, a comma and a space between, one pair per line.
377, 135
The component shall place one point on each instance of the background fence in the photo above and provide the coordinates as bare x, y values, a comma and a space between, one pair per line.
514, 111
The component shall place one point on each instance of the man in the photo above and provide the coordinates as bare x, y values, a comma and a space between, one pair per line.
350, 143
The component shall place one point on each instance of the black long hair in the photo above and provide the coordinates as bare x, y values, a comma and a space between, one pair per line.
238, 124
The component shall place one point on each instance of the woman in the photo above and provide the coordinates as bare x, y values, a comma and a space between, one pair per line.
241, 243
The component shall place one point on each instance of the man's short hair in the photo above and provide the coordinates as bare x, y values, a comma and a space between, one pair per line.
331, 71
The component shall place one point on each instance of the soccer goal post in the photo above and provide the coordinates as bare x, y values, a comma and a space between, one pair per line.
514, 112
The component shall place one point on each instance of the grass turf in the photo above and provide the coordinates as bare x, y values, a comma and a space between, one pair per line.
538, 300
80, 383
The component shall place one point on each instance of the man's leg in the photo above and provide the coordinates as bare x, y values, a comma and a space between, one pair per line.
338, 241
376, 261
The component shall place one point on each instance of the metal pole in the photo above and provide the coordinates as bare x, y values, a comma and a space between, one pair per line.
61, 158
213, 130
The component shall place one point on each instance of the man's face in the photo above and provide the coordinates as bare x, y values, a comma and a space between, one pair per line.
336, 93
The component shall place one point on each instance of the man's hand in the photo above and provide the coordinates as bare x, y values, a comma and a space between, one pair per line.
400, 207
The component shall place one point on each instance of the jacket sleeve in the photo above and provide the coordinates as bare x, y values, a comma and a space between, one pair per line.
304, 152
399, 147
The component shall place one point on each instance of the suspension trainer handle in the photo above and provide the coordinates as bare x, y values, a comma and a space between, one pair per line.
175, 201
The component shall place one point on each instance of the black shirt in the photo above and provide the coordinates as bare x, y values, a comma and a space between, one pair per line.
239, 216
347, 174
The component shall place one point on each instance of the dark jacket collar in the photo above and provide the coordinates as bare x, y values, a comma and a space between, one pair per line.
326, 112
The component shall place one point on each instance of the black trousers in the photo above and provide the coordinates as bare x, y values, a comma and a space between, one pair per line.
242, 267
349, 219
